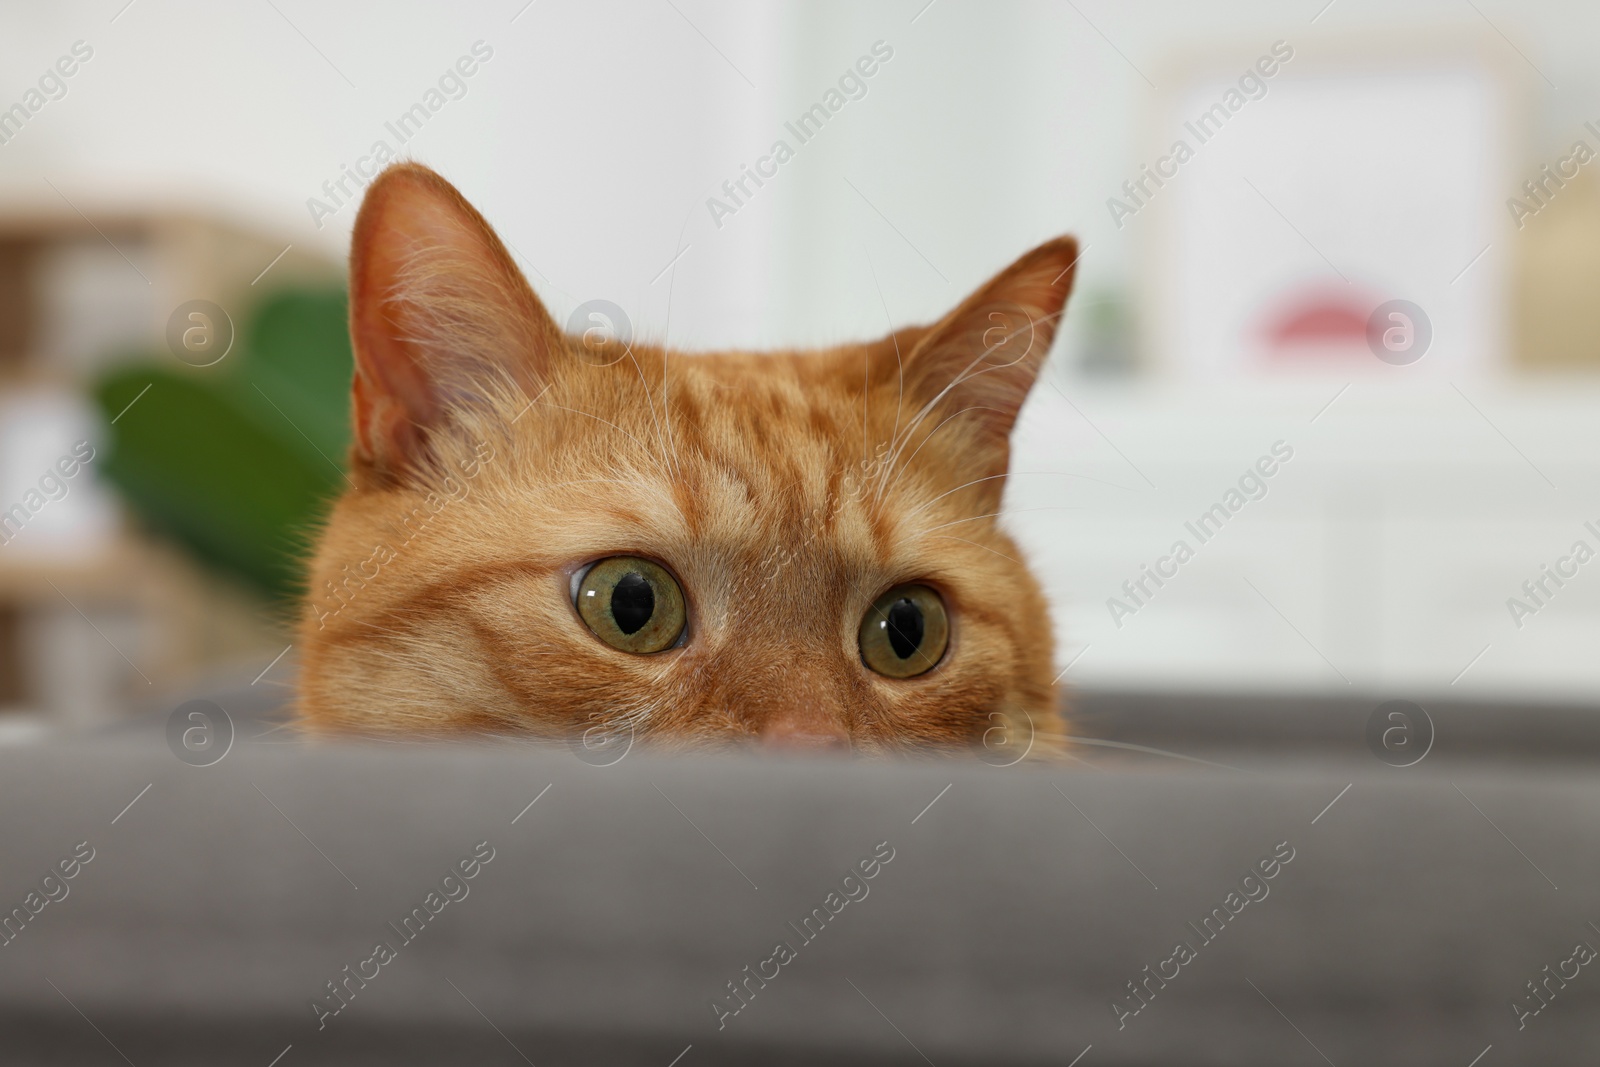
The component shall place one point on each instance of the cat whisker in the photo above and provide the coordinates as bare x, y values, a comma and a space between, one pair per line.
637, 482
1086, 477
1074, 759
1073, 740
672, 285
919, 509
964, 375
958, 522
995, 514
1009, 474
597, 418
529, 406
907, 465
974, 544
900, 366
650, 401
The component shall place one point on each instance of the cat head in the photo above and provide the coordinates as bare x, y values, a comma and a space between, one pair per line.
548, 534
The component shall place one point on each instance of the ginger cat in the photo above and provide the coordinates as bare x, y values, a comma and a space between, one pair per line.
549, 534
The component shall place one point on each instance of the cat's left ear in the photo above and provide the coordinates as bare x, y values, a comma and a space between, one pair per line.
440, 316
977, 364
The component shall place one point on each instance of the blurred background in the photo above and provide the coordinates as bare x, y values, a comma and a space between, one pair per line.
1355, 243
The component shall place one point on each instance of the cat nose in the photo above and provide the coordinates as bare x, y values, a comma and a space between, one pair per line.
804, 735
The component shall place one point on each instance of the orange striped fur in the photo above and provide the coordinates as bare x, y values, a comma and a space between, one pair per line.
494, 455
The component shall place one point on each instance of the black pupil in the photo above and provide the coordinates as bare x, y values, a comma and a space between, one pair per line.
633, 602
905, 626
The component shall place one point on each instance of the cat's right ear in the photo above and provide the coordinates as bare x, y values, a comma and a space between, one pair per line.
975, 367
440, 317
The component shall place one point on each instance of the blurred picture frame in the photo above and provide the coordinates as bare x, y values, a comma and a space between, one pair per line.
1338, 211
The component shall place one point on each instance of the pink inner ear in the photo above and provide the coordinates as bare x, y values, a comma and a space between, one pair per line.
438, 313
977, 345
392, 394
1038, 283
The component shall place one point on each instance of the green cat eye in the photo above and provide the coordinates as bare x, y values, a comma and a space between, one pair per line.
905, 632
631, 604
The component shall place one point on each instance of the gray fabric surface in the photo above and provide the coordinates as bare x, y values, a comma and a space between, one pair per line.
1015, 910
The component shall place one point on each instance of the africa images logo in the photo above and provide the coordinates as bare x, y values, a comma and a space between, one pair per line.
347, 185
1252, 85
852, 85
